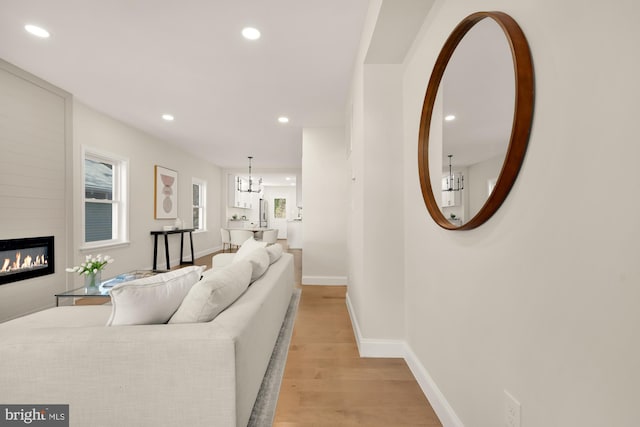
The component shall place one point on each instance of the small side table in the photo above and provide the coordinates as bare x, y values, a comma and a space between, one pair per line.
100, 294
164, 233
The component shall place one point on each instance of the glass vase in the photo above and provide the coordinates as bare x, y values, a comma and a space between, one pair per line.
93, 280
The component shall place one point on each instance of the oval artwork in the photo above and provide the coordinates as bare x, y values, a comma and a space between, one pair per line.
475, 121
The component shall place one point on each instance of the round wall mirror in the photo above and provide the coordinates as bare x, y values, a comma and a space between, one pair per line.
476, 119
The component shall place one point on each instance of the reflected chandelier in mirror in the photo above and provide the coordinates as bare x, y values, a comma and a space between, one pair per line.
477, 112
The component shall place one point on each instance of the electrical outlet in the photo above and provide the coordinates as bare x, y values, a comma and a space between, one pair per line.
512, 411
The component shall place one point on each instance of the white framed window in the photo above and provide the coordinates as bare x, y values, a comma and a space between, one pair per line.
104, 199
199, 203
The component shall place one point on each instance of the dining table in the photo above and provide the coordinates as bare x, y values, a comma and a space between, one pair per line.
257, 231
254, 229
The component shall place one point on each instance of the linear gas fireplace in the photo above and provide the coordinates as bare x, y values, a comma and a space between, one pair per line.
22, 259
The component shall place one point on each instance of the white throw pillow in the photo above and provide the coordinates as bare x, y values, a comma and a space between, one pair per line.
215, 292
249, 246
274, 252
259, 260
152, 299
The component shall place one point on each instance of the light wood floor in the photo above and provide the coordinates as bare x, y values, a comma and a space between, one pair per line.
325, 381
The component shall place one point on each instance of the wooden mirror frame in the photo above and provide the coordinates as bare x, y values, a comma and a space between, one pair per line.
522, 118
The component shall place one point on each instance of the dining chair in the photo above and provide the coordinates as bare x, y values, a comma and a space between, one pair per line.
226, 239
270, 236
238, 237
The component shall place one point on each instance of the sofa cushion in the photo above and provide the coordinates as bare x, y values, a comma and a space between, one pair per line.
151, 299
217, 290
259, 260
249, 246
274, 252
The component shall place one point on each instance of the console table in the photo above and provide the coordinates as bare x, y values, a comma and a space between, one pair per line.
166, 233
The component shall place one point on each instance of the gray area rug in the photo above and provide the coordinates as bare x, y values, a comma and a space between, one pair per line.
265, 407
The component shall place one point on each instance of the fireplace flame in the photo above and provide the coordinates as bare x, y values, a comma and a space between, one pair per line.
22, 264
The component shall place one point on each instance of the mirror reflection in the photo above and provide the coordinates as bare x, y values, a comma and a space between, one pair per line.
472, 117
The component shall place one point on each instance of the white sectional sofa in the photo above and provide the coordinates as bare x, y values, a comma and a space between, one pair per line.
186, 374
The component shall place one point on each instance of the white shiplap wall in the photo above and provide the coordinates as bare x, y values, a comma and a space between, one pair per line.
35, 138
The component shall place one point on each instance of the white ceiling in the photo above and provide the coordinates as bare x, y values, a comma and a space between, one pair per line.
138, 59
396, 27
277, 180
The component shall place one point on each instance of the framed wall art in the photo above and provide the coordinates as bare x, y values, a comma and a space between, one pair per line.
166, 193
279, 208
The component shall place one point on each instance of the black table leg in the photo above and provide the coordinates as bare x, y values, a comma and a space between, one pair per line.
166, 250
193, 258
181, 248
155, 252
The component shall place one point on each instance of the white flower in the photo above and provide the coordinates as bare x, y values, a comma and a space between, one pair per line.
91, 265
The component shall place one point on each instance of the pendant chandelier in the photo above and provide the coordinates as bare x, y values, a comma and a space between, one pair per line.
252, 188
453, 183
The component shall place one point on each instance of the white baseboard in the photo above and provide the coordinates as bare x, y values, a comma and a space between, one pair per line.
368, 347
438, 402
374, 347
210, 251
324, 280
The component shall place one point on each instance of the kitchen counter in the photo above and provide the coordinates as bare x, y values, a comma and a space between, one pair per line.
294, 233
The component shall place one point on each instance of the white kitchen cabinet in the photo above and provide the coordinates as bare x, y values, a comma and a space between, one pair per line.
232, 196
244, 200
238, 223
294, 234
450, 198
239, 199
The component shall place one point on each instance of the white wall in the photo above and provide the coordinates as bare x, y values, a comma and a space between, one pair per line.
535, 301
478, 176
277, 192
376, 291
94, 129
325, 192
542, 299
35, 137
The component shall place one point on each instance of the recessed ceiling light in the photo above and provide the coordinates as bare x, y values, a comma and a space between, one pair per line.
283, 119
250, 33
168, 117
288, 178
37, 31
450, 117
